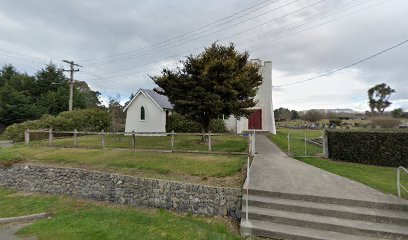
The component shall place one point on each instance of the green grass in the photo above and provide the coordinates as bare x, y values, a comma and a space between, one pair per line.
225, 143
13, 204
77, 219
297, 141
2, 137
211, 169
380, 178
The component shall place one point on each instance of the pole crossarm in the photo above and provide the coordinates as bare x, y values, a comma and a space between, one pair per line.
71, 81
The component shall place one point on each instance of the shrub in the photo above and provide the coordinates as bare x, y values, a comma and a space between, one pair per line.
181, 124
373, 147
218, 126
312, 116
337, 122
178, 123
82, 120
384, 122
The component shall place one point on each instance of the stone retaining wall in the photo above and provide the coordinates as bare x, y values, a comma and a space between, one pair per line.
177, 196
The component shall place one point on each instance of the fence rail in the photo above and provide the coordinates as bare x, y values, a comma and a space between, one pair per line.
305, 143
166, 141
399, 184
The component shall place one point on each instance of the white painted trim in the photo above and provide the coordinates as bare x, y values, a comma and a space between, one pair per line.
146, 95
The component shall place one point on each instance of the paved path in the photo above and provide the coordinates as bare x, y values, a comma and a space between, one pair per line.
272, 170
8, 231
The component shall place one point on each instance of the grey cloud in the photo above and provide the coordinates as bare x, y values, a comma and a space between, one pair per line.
83, 30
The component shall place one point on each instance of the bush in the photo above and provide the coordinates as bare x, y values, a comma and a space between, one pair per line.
312, 116
384, 122
373, 147
337, 122
82, 120
218, 126
181, 124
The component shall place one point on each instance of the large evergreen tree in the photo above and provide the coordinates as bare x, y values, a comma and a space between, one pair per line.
24, 97
220, 80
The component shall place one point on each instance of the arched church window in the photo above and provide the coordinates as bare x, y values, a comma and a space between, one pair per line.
142, 113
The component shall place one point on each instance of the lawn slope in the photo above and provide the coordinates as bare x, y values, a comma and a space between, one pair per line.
79, 219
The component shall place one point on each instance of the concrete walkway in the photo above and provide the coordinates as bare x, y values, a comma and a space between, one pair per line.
272, 170
9, 231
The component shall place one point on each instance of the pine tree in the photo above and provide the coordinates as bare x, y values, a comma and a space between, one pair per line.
220, 80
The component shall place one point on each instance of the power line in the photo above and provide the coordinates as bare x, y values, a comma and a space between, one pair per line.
195, 30
200, 47
177, 55
21, 56
314, 26
217, 31
187, 40
314, 18
279, 30
104, 79
345, 67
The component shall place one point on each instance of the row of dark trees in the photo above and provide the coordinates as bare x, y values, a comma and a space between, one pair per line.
27, 97
284, 114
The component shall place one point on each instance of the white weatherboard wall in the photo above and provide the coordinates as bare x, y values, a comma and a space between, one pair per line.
155, 116
264, 98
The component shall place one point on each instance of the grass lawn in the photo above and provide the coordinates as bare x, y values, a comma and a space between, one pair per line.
380, 178
209, 169
297, 141
79, 219
232, 143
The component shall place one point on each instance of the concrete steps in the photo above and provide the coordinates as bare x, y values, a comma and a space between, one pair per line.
291, 216
397, 217
282, 231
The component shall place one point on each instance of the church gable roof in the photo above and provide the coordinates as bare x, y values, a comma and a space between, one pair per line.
160, 100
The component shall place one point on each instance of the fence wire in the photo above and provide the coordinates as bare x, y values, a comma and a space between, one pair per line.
188, 142
305, 143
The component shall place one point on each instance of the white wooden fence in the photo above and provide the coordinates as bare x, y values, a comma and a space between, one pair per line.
51, 137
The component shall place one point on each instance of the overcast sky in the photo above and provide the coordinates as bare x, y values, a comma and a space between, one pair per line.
119, 43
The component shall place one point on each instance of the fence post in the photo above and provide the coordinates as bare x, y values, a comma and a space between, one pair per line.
253, 143
398, 182
325, 145
103, 139
50, 137
75, 138
27, 136
305, 143
133, 139
289, 142
172, 140
209, 141
250, 142
247, 190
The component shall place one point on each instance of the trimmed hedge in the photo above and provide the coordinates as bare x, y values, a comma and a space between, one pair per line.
82, 120
181, 124
373, 147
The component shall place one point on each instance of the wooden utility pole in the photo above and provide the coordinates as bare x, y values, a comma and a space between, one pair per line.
71, 81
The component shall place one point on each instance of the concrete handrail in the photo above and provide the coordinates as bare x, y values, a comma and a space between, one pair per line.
399, 185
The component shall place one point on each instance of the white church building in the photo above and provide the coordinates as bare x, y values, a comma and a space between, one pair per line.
148, 110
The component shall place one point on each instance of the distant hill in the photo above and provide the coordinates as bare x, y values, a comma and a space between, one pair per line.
335, 110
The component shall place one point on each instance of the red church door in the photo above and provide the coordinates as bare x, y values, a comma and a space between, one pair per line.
255, 119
